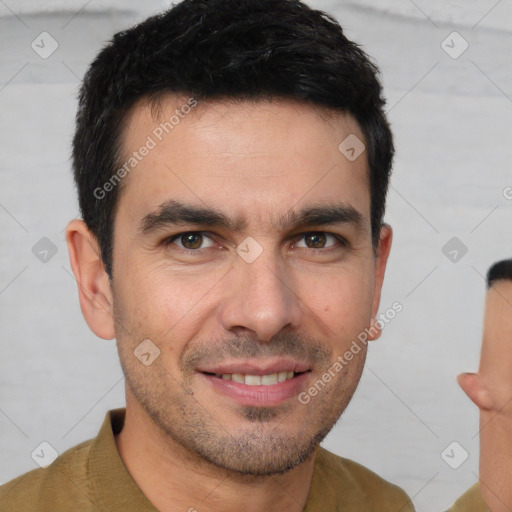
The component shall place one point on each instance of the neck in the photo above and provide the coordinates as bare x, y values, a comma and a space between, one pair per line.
173, 478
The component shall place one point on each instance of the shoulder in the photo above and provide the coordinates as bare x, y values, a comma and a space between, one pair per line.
62, 484
349, 476
470, 501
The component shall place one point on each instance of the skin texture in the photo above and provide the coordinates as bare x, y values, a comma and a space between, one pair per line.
185, 443
491, 390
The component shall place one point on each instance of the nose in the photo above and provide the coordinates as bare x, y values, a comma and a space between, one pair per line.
260, 298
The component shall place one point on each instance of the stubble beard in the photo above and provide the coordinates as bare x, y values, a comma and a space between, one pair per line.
261, 446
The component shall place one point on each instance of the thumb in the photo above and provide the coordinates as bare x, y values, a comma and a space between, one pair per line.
472, 385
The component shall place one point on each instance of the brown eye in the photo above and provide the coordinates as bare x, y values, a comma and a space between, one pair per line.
318, 240
315, 240
191, 240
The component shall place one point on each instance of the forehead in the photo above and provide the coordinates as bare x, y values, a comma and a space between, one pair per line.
260, 156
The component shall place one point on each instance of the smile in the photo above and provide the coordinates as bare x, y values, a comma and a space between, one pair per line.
265, 390
257, 380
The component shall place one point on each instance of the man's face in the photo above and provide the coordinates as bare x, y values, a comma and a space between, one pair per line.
253, 289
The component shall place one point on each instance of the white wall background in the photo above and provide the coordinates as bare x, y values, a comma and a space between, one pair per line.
451, 119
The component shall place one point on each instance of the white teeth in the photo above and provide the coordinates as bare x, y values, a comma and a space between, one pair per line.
268, 380
282, 376
253, 380
258, 380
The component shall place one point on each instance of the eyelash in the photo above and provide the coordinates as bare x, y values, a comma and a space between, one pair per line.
341, 240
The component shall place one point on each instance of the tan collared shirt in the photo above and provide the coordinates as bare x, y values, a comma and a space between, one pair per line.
470, 501
91, 477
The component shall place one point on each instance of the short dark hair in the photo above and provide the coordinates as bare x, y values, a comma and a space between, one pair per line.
501, 270
224, 49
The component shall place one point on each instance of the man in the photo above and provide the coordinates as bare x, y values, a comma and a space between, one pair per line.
232, 160
491, 390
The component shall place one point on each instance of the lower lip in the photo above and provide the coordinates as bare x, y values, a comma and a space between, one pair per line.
262, 396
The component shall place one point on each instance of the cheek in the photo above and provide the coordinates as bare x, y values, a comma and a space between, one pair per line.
341, 302
165, 302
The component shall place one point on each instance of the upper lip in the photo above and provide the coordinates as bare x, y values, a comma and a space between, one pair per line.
257, 367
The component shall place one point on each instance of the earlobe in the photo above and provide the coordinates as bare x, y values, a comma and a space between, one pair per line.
472, 385
94, 288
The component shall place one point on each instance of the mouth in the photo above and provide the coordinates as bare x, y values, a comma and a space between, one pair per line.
262, 386
269, 379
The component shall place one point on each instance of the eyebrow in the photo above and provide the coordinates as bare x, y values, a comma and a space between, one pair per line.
171, 213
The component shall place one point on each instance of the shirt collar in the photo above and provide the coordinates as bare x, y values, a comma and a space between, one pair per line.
114, 488
111, 483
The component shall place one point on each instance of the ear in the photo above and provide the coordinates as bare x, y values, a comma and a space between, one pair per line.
472, 385
94, 289
381, 259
